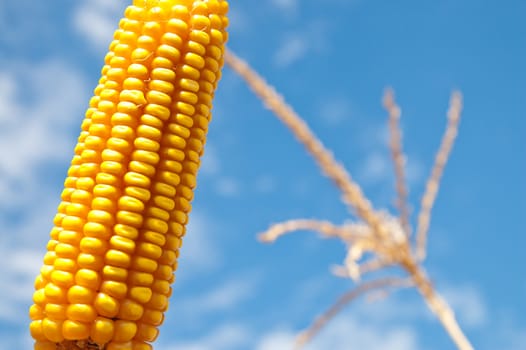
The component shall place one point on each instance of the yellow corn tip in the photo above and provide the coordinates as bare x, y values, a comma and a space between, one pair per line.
107, 273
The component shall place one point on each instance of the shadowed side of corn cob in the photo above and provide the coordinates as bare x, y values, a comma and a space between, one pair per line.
109, 265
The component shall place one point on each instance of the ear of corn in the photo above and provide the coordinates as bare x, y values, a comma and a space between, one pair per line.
108, 270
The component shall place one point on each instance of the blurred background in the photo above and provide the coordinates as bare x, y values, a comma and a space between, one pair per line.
332, 60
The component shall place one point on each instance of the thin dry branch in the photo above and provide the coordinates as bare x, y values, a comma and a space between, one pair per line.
397, 155
372, 265
351, 191
326, 228
433, 183
375, 265
437, 305
391, 282
379, 233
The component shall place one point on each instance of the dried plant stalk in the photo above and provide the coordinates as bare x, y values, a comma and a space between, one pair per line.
326, 228
428, 199
380, 233
438, 305
305, 336
372, 265
352, 193
397, 154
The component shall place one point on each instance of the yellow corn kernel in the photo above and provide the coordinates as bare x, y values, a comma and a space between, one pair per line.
124, 331
36, 312
35, 328
81, 312
73, 330
52, 329
106, 305
130, 310
146, 332
45, 345
56, 311
102, 330
109, 265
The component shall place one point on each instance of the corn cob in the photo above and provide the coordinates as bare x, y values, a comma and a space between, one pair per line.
107, 273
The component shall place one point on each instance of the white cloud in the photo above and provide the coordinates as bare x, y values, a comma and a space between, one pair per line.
96, 20
40, 106
240, 22
226, 296
514, 338
347, 333
378, 165
227, 187
8, 109
297, 45
375, 168
278, 339
199, 251
285, 5
224, 337
292, 49
17, 273
265, 184
20, 339
335, 110
210, 164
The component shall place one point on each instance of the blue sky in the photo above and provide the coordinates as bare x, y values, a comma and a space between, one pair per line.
331, 59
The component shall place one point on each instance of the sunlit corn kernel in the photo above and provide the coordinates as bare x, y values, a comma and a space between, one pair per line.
149, 250
45, 345
102, 330
72, 330
81, 312
130, 218
55, 293
81, 295
137, 278
160, 287
106, 305
143, 264
158, 302
140, 294
35, 328
152, 317
126, 231
130, 204
130, 310
92, 245
115, 289
63, 278
146, 332
154, 238
117, 258
148, 157
123, 244
88, 278
97, 230
124, 330
89, 261
114, 273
